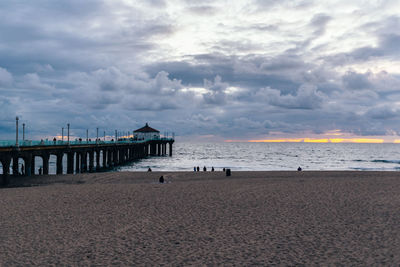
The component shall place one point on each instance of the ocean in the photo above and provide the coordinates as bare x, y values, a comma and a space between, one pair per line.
275, 156
266, 157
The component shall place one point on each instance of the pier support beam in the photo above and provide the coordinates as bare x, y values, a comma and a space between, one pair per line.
152, 149
6, 170
170, 149
104, 158
109, 158
59, 163
77, 162
115, 157
120, 156
33, 165
28, 164
84, 162
91, 161
97, 159
45, 158
15, 166
70, 163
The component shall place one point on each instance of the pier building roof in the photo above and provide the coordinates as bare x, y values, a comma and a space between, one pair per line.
146, 129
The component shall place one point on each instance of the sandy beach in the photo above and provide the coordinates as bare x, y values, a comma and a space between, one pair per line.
205, 218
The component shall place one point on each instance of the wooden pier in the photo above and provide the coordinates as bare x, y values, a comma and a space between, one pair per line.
80, 157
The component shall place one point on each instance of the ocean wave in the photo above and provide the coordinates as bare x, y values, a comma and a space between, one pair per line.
385, 161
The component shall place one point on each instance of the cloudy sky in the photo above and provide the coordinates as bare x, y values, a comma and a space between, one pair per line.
206, 70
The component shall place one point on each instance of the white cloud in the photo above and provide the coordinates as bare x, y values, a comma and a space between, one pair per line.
6, 78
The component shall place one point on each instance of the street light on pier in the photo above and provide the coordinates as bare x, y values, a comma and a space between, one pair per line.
87, 135
16, 132
62, 134
23, 132
104, 136
68, 133
97, 135
116, 135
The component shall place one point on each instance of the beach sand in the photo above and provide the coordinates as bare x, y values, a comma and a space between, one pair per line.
251, 218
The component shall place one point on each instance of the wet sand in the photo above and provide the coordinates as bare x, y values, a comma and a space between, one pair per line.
250, 218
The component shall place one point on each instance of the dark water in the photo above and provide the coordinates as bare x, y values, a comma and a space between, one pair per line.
267, 156
275, 156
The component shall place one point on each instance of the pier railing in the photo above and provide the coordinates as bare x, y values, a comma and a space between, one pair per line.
29, 143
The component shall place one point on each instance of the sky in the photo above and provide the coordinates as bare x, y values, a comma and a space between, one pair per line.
299, 70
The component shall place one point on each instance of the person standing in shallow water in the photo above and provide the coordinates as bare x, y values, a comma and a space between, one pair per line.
204, 168
198, 168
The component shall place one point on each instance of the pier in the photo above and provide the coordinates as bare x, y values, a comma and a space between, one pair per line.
81, 156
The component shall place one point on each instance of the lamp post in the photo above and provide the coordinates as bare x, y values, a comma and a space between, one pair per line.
104, 136
87, 135
62, 134
16, 132
116, 135
68, 133
97, 135
23, 132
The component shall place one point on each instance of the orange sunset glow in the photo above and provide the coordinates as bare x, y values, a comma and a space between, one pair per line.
321, 140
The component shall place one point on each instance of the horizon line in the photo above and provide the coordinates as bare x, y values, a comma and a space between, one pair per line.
319, 140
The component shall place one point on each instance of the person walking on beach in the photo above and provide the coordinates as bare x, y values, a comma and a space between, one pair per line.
194, 169
204, 168
161, 180
212, 169
198, 168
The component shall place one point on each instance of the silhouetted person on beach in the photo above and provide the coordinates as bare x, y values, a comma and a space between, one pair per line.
212, 169
223, 169
194, 169
22, 169
161, 179
299, 169
198, 168
149, 170
204, 169
40, 171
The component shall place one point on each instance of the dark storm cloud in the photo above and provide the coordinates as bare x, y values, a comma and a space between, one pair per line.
73, 35
258, 27
268, 4
203, 10
156, 3
353, 80
115, 65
